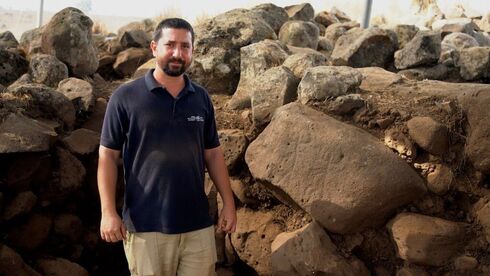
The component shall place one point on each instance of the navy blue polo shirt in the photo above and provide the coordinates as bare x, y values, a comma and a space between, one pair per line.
162, 140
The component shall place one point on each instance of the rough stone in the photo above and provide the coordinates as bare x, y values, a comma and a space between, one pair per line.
398, 141
309, 251
240, 190
71, 171
405, 33
96, 118
322, 82
274, 88
82, 141
336, 30
141, 71
60, 266
274, 16
411, 271
301, 143
423, 49
299, 63
30, 41
252, 240
365, 48
69, 226
20, 205
455, 42
465, 263
376, 78
342, 16
134, 38
474, 63
426, 240
218, 41
326, 19
255, 60
234, 144
482, 214
79, 92
32, 233
300, 34
7, 40
440, 181
130, 59
11, 263
453, 25
68, 37
21, 134
347, 104
12, 66
303, 12
48, 70
438, 72
430, 135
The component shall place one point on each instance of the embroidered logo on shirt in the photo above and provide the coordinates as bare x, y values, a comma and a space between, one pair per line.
195, 119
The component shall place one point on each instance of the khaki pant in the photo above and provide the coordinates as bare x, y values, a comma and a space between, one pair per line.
153, 253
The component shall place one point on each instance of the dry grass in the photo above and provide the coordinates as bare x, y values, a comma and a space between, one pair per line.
424, 4
99, 28
167, 13
203, 17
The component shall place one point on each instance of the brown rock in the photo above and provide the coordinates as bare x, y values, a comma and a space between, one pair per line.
423, 49
234, 144
48, 70
299, 63
71, 171
59, 266
405, 33
20, 205
96, 119
429, 134
240, 190
141, 71
11, 263
82, 141
482, 214
303, 12
274, 16
130, 59
32, 233
399, 142
410, 271
80, 93
300, 34
440, 181
426, 240
465, 263
69, 226
326, 19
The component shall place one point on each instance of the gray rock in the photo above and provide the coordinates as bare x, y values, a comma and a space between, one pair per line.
82, 141
48, 70
216, 63
134, 38
274, 16
79, 92
455, 42
322, 82
300, 34
11, 263
21, 134
274, 88
252, 240
325, 47
234, 144
347, 104
301, 143
405, 33
299, 63
12, 66
303, 12
68, 37
31, 41
426, 240
255, 59
7, 40
130, 59
423, 49
60, 266
309, 251
20, 205
474, 63
430, 135
365, 48
437, 72
49, 101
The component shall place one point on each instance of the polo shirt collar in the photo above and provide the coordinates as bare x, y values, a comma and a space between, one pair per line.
152, 84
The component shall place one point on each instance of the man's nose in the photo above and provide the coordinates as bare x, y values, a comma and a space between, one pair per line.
177, 52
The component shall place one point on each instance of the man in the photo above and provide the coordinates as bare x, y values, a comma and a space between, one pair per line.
165, 127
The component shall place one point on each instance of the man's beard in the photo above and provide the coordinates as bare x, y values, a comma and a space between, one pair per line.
174, 72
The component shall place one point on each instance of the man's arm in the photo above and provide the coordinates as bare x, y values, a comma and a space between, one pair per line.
111, 227
215, 162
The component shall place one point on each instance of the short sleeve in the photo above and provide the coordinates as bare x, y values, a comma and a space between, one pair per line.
115, 124
211, 139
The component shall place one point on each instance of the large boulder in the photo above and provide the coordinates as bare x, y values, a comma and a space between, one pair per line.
303, 12
274, 88
423, 49
234, 144
453, 25
31, 41
49, 102
79, 92
274, 16
455, 42
11, 263
60, 266
365, 48
130, 59
437, 72
426, 240
322, 82
142, 69
309, 251
68, 37
252, 240
21, 134
32, 233
326, 18
12, 66
474, 63
299, 63
134, 38
48, 70
405, 33
96, 118
255, 59
7, 40
310, 156
71, 172
217, 46
82, 141
336, 30
300, 34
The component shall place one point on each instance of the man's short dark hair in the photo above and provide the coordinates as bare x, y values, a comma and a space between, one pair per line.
172, 23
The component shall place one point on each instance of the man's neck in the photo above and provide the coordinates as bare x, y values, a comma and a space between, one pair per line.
172, 84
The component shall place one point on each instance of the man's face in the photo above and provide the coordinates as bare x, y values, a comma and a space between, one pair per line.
173, 51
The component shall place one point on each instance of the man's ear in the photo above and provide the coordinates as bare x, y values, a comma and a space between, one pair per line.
153, 47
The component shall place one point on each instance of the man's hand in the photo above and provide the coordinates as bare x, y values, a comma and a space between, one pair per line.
227, 219
111, 228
